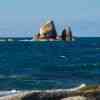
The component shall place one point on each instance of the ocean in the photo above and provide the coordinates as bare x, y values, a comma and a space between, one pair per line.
30, 65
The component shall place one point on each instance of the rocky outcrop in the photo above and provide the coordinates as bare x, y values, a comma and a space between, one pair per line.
48, 31
70, 33
66, 34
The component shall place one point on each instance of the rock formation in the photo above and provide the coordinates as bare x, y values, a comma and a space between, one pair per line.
48, 31
66, 34
70, 33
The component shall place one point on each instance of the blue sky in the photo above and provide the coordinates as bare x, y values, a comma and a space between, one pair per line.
24, 17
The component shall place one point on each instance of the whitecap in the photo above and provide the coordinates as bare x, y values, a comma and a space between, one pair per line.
13, 91
62, 56
6, 93
17, 76
68, 90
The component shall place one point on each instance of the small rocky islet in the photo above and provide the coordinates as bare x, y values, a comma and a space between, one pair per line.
48, 33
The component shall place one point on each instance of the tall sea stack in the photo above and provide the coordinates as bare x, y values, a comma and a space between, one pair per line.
66, 34
70, 33
48, 31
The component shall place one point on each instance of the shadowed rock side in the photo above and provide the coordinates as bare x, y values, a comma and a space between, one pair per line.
70, 34
66, 34
86, 93
48, 32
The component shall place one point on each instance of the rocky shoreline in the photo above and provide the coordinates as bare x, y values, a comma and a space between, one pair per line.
84, 93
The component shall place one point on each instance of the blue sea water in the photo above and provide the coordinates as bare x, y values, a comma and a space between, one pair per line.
49, 65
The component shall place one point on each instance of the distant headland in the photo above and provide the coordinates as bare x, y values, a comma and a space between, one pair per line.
48, 33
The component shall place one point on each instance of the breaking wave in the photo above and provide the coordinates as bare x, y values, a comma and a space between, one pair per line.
14, 91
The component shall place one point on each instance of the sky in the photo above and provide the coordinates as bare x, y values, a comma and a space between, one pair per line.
23, 18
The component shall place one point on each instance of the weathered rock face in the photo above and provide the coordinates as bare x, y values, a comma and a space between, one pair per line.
66, 34
48, 31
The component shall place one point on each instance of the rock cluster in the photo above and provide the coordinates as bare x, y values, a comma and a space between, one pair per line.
48, 32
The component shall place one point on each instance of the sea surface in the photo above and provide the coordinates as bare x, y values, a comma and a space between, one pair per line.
30, 65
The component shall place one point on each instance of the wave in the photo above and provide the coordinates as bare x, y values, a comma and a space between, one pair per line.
26, 40
14, 91
18, 40
68, 90
62, 56
2, 40
13, 76
6, 93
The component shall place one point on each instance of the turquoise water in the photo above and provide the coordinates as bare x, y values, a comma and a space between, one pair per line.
49, 65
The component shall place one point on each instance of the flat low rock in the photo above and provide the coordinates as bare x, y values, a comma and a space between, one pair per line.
75, 98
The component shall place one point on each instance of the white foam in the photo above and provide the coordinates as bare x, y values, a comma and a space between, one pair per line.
6, 93
62, 56
68, 90
14, 91
26, 40
77, 88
